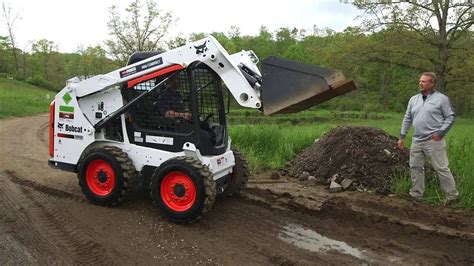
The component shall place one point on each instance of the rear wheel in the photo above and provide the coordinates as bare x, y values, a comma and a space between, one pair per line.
106, 175
239, 176
183, 189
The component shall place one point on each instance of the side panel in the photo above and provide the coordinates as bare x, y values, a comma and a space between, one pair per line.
72, 130
101, 104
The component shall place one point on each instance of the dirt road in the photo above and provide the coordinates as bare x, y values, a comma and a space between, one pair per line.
45, 219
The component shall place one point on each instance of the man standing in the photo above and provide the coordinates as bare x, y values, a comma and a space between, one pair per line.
432, 116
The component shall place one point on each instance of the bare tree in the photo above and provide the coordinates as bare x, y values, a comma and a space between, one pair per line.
436, 25
141, 30
10, 20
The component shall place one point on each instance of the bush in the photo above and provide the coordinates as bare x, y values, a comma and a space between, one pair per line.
40, 82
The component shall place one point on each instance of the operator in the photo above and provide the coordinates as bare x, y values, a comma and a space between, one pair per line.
171, 102
432, 116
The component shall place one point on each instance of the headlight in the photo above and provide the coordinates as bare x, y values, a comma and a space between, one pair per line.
253, 56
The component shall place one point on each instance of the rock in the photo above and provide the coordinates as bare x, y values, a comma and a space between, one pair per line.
275, 175
333, 178
346, 183
334, 187
387, 152
303, 176
316, 140
312, 179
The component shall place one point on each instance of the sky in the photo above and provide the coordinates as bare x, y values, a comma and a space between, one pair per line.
72, 24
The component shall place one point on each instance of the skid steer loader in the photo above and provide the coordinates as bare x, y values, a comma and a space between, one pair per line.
161, 120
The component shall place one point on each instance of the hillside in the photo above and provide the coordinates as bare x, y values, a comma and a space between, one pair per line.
20, 99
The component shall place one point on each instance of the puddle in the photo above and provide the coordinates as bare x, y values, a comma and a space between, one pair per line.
310, 240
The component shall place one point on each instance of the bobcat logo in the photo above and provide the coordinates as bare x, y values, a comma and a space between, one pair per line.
201, 48
60, 126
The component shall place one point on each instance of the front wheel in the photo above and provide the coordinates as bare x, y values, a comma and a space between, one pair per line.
106, 175
183, 189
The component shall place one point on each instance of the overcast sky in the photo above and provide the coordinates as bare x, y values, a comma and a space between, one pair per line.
71, 24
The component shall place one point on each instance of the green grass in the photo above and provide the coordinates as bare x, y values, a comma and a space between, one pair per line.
269, 144
21, 99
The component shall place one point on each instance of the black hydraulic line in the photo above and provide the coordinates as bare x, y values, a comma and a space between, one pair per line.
129, 105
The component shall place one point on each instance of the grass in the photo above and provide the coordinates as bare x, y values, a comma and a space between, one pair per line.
271, 143
21, 99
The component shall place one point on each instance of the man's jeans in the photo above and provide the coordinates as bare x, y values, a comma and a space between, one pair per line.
436, 151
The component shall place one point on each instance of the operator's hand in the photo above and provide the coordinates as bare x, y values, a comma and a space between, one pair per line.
436, 137
187, 116
401, 143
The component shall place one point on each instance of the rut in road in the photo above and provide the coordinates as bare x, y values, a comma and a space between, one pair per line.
13, 176
49, 230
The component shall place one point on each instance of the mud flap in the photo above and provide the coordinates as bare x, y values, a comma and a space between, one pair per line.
290, 86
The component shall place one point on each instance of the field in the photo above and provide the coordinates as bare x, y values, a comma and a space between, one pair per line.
269, 142
21, 99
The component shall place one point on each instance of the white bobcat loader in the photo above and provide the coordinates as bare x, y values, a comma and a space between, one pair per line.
161, 120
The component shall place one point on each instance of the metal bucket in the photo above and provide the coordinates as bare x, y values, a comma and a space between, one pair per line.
290, 86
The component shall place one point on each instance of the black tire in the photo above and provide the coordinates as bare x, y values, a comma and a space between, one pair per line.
104, 160
196, 177
239, 177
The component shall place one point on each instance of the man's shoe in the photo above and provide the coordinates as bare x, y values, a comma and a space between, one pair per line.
451, 202
410, 197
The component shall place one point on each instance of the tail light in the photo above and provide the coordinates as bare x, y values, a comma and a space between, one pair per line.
51, 128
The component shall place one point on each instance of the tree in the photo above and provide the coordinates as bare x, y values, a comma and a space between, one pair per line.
435, 27
141, 30
10, 20
94, 61
43, 53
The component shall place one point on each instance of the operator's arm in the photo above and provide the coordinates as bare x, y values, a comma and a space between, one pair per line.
174, 114
449, 117
407, 120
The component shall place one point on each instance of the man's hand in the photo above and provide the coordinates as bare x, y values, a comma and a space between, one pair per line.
436, 137
401, 143
187, 116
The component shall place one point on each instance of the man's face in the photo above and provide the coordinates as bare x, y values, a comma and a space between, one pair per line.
174, 83
426, 83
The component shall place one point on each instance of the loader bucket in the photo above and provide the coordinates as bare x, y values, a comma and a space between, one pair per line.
289, 86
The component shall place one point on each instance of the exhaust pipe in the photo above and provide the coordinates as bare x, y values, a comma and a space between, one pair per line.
289, 86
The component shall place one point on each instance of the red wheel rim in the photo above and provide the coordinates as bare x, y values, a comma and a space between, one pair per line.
178, 191
100, 177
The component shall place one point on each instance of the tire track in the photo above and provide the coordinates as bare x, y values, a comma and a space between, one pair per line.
15, 178
24, 225
73, 239
40, 133
44, 227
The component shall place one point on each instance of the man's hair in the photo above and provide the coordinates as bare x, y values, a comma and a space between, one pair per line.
433, 76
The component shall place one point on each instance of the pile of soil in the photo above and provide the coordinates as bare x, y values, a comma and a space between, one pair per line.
368, 156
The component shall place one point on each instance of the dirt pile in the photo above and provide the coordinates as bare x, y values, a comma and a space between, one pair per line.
366, 156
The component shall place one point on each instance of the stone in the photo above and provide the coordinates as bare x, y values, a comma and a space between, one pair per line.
334, 187
303, 176
346, 183
275, 175
333, 178
316, 140
312, 179
387, 152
